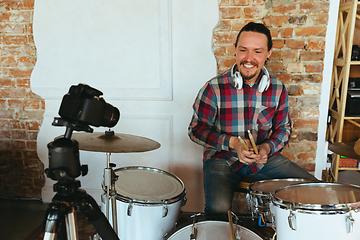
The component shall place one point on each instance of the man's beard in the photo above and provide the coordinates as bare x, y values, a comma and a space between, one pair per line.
248, 77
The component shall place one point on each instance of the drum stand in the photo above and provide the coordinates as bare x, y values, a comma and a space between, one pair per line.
109, 180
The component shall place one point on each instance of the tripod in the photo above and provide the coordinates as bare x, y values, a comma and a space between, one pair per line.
64, 167
62, 210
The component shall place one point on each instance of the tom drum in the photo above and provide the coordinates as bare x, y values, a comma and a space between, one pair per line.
317, 211
148, 202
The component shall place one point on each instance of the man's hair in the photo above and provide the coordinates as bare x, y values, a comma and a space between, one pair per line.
256, 27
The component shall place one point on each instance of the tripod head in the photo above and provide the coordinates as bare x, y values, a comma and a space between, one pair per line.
81, 107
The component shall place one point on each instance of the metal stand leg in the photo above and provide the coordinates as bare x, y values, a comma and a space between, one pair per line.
109, 180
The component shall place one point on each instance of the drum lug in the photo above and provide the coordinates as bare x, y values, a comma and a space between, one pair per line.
130, 208
350, 223
165, 209
292, 220
194, 229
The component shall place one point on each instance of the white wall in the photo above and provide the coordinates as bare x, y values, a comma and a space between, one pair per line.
148, 57
322, 145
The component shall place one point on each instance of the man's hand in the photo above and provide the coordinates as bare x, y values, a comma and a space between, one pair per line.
264, 150
249, 156
244, 156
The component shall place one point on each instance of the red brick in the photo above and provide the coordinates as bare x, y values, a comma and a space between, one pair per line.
306, 123
314, 67
315, 45
285, 78
252, 12
240, 2
275, 67
290, 55
278, 43
310, 31
286, 32
33, 125
319, 19
311, 56
295, 44
230, 12
276, 21
284, 8
314, 7
17, 5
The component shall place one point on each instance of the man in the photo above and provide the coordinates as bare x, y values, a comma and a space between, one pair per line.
243, 98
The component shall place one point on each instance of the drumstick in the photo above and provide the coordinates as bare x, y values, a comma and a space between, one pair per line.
243, 143
232, 236
253, 142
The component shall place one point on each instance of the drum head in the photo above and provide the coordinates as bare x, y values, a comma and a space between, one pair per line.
144, 184
322, 196
213, 230
268, 186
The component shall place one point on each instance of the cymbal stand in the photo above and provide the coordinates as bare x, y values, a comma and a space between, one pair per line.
109, 181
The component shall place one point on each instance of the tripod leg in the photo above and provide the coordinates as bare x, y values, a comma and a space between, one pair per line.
71, 225
97, 218
54, 217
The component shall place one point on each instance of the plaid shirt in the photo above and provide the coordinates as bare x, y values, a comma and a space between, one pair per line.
222, 111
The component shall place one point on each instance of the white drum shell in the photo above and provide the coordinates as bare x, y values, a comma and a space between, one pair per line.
212, 230
145, 222
315, 226
149, 216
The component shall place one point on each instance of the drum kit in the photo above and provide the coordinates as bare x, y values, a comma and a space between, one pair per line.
145, 202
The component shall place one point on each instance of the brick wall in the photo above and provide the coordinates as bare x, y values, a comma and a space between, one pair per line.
298, 29
21, 111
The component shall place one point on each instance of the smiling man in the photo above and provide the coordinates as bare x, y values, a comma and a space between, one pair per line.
245, 99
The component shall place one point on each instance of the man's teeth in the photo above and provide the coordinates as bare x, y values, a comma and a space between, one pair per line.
248, 66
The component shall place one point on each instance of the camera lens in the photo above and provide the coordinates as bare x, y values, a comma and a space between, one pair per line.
111, 116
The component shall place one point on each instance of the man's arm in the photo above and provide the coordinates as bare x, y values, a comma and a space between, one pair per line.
281, 125
202, 129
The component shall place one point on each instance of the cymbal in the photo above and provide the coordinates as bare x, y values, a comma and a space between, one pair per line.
357, 147
345, 149
118, 143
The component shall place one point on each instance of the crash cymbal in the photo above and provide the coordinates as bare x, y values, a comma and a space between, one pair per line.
345, 149
118, 143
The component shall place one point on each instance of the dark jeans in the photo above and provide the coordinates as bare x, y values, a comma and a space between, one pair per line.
220, 181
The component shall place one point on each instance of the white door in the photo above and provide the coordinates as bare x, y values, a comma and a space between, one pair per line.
148, 57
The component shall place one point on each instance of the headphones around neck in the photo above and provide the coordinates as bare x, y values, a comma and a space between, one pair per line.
238, 80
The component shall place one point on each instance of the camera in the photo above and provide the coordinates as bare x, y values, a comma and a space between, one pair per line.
81, 107
83, 104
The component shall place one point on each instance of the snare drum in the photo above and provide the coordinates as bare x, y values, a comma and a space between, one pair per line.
213, 230
148, 202
259, 198
317, 211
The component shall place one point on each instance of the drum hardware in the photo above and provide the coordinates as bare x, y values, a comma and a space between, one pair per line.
234, 235
79, 109
292, 220
350, 222
193, 228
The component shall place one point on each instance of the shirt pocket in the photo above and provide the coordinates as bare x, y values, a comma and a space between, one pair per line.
265, 117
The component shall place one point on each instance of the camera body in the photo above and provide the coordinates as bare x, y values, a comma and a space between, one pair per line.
83, 104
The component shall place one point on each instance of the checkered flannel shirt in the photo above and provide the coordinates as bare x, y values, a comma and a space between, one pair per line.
222, 111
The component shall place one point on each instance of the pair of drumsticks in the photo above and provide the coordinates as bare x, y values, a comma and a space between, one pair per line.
252, 143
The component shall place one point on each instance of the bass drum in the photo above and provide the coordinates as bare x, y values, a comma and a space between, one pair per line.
213, 230
317, 211
148, 202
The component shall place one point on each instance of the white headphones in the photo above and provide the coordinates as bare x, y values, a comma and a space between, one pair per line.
238, 81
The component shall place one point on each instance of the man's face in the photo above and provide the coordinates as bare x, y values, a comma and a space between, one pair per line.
251, 54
